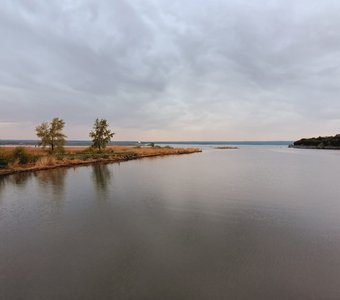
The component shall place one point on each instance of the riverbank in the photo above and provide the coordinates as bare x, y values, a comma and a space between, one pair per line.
314, 147
37, 159
321, 142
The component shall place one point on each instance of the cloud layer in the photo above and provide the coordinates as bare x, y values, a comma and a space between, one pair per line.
172, 70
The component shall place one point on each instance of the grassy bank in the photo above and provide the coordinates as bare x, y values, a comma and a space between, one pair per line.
23, 159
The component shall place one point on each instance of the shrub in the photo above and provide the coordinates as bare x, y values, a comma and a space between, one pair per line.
59, 156
86, 156
22, 156
3, 161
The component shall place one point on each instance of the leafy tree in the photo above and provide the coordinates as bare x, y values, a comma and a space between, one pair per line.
320, 142
101, 134
51, 134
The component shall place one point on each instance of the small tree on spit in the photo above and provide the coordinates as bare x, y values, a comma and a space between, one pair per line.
101, 134
51, 134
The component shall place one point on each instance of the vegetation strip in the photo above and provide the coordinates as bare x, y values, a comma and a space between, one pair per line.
54, 155
25, 159
326, 142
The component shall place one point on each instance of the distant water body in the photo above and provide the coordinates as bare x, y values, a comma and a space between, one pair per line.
255, 223
184, 143
234, 143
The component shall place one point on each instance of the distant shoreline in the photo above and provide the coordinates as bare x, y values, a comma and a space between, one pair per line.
321, 142
313, 147
6, 142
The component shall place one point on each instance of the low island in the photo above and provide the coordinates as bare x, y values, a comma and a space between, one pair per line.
327, 142
226, 147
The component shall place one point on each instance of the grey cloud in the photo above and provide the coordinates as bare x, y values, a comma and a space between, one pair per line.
231, 67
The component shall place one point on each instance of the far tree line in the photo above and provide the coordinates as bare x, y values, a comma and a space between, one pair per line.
51, 134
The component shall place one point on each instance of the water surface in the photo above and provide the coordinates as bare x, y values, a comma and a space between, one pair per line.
254, 223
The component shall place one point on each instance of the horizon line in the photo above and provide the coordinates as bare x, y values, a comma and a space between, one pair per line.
162, 141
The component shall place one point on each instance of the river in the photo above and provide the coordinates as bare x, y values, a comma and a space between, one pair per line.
260, 222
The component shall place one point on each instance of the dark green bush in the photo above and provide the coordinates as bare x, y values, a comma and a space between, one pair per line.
3, 161
20, 154
59, 156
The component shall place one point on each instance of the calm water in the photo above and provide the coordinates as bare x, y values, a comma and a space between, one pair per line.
254, 223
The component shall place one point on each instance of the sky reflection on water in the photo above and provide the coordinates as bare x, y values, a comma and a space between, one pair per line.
254, 223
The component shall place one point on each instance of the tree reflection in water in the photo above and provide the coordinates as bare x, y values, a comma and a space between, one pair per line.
101, 175
19, 180
52, 182
2, 186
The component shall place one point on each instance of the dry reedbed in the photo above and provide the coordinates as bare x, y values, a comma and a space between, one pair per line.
137, 150
84, 155
46, 161
30, 150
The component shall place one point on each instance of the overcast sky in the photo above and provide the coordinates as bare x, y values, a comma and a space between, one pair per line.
171, 70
